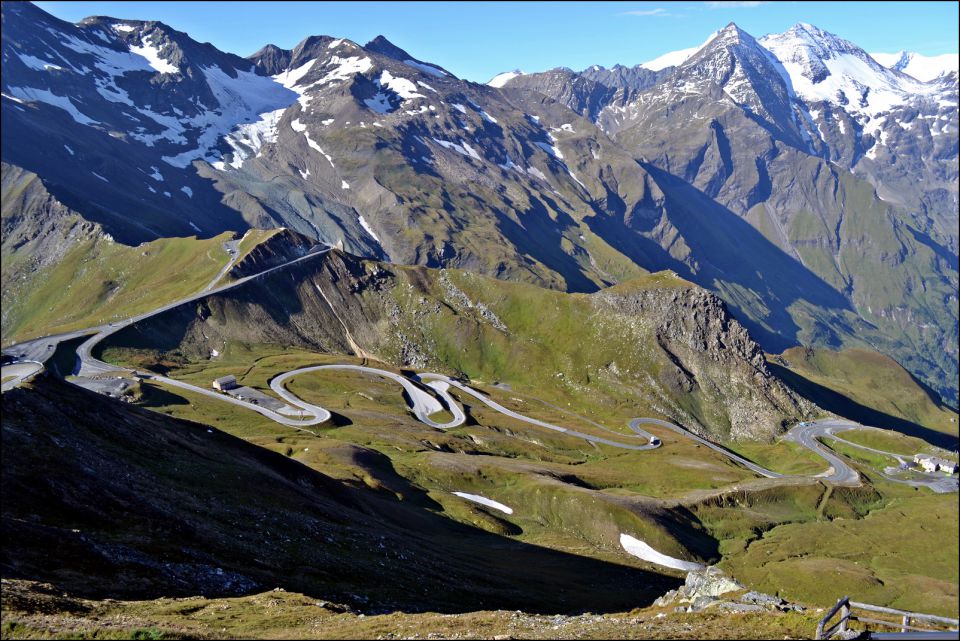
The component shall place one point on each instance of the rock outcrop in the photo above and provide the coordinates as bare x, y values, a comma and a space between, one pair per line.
713, 361
707, 587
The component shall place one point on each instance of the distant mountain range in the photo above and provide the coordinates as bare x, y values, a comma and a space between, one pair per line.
809, 184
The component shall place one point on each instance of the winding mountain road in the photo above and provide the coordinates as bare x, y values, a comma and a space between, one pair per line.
89, 366
807, 434
423, 403
526, 419
29, 355
18, 373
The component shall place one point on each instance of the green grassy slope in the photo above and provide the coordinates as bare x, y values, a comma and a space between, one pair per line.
870, 388
99, 280
903, 554
623, 352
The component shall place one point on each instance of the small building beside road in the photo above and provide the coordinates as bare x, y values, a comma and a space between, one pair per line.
225, 383
933, 464
947, 467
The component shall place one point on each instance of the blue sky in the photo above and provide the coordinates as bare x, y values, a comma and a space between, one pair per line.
476, 40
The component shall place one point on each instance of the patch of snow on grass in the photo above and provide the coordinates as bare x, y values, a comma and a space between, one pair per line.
482, 500
400, 86
574, 176
291, 77
550, 149
37, 63
641, 550
345, 68
533, 171
379, 103
501, 79
511, 165
313, 145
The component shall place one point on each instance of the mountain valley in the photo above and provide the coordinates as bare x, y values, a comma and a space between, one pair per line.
689, 325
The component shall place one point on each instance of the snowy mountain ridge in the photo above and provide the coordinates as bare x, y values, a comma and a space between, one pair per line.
824, 67
734, 168
923, 68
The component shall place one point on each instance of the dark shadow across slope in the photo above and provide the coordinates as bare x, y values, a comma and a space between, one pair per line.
107, 500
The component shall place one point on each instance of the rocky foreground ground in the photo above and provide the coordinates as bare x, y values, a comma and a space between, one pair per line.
708, 601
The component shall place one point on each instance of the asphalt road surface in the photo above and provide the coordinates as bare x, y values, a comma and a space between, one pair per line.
19, 371
424, 405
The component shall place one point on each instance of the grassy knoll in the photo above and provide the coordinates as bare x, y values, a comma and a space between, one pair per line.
903, 554
101, 280
783, 457
870, 388
864, 457
894, 442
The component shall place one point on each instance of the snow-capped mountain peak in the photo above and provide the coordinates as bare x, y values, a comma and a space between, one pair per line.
923, 68
676, 58
502, 79
824, 67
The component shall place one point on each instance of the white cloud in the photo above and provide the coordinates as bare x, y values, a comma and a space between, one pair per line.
734, 4
659, 12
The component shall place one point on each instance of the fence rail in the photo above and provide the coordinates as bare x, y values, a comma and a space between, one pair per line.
908, 625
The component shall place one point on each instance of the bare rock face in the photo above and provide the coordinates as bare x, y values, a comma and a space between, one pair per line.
708, 583
706, 588
713, 359
35, 222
